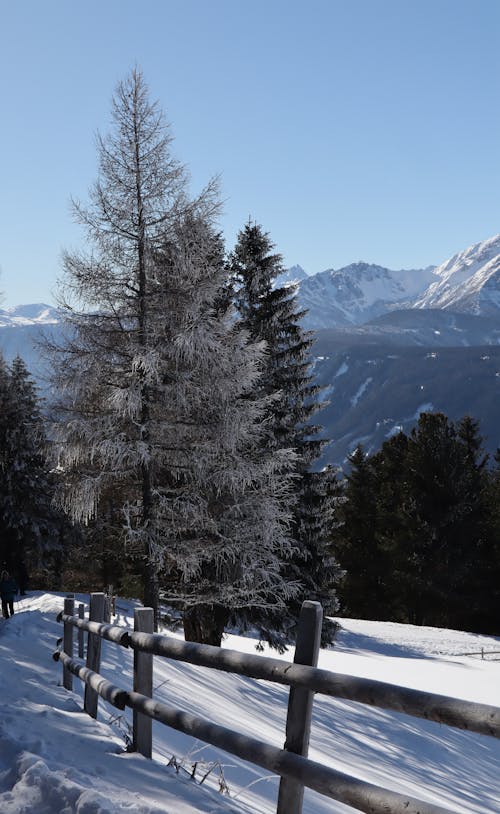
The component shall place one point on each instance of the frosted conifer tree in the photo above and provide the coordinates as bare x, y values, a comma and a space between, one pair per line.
270, 312
227, 550
153, 376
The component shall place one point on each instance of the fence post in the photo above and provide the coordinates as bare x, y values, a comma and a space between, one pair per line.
107, 605
143, 683
96, 614
69, 609
300, 701
81, 615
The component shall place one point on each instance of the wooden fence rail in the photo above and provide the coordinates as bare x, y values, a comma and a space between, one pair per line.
291, 763
481, 653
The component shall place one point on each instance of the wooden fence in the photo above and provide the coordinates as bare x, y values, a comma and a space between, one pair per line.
304, 679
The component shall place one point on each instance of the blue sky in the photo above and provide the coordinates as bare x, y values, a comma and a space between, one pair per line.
350, 129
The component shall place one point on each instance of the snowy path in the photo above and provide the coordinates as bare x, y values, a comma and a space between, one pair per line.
54, 759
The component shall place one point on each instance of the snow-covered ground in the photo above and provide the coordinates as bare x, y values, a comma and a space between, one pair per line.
56, 760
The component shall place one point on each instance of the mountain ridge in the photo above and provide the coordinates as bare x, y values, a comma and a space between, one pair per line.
38, 313
468, 282
389, 344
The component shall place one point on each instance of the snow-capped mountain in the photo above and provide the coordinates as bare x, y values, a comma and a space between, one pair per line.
401, 342
22, 315
295, 274
469, 282
21, 329
358, 292
389, 344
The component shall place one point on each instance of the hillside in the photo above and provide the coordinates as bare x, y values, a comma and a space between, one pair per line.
56, 760
376, 389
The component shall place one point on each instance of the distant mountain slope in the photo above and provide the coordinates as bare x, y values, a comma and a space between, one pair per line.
292, 275
430, 327
376, 390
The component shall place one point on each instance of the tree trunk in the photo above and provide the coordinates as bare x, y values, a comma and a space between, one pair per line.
205, 624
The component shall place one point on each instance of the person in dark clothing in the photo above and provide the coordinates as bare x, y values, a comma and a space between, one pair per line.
8, 590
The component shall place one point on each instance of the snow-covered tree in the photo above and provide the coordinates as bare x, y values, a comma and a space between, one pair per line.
153, 374
270, 312
229, 552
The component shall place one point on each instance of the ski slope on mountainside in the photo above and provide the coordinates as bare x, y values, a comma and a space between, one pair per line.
56, 760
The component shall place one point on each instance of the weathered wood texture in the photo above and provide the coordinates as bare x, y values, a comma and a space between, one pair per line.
110, 692
93, 653
481, 718
81, 646
69, 607
349, 790
114, 633
143, 684
300, 704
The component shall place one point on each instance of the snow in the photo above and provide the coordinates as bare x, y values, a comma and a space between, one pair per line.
33, 314
358, 292
342, 370
56, 760
290, 277
468, 281
361, 389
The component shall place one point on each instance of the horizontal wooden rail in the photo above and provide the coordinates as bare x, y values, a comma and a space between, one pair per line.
113, 633
97, 682
338, 786
460, 714
349, 790
480, 653
474, 717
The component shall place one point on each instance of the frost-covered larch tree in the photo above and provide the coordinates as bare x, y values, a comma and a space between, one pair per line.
270, 312
152, 376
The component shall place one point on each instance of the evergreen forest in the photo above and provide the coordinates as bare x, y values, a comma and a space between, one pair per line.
417, 529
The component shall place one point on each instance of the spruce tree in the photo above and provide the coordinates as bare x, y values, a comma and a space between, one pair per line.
391, 490
30, 527
444, 511
476, 607
363, 589
418, 529
488, 575
269, 312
